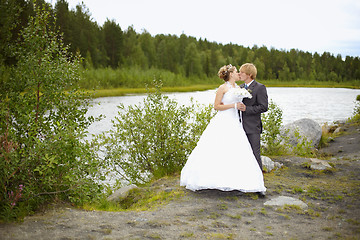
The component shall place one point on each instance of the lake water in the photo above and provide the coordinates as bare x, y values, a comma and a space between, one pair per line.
320, 104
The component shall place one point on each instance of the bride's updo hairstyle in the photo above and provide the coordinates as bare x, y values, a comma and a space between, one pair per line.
224, 72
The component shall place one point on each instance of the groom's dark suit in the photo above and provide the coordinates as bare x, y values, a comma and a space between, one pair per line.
251, 117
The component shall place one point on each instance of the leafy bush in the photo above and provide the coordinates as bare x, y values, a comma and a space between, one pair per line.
356, 114
154, 139
42, 112
273, 141
303, 147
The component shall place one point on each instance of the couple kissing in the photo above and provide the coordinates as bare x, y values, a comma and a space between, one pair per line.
227, 155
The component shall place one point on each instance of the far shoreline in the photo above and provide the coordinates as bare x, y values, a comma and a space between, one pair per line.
123, 91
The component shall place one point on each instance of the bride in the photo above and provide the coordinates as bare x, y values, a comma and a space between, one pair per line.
223, 158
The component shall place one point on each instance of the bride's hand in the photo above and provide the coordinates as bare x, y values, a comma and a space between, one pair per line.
241, 106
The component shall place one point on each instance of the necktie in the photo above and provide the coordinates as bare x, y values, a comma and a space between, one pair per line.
246, 86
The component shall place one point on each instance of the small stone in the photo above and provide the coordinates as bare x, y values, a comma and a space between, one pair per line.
317, 164
121, 193
338, 130
284, 200
278, 165
269, 165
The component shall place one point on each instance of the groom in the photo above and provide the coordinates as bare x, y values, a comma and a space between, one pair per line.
253, 107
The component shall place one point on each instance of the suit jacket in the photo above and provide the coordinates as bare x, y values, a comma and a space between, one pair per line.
256, 105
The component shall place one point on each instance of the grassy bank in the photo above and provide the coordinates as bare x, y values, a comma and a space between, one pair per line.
311, 83
134, 80
202, 87
127, 91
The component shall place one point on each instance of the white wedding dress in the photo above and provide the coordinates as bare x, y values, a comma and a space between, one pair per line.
223, 158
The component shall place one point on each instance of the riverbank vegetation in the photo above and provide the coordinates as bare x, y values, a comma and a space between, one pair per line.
153, 139
118, 82
355, 118
202, 87
43, 154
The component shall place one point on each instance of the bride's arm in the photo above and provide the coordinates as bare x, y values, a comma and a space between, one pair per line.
218, 105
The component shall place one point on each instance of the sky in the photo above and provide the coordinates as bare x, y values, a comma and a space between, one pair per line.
307, 25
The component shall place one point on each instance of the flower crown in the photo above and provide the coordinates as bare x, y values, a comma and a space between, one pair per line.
228, 68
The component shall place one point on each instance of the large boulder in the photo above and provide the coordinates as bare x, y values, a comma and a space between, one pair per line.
306, 128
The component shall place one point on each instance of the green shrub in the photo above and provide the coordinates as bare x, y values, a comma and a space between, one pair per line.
273, 141
42, 152
303, 147
153, 139
356, 114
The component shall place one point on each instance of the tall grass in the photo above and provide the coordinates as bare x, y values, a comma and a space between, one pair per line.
136, 77
311, 83
132, 80
126, 91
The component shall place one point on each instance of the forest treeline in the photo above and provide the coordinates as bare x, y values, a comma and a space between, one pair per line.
110, 47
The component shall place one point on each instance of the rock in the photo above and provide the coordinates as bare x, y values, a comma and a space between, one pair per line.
121, 193
284, 200
326, 128
317, 164
269, 165
278, 165
333, 128
340, 122
338, 130
307, 128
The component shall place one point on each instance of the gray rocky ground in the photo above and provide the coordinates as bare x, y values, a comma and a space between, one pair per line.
332, 207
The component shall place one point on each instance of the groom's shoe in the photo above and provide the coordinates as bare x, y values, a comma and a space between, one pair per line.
261, 194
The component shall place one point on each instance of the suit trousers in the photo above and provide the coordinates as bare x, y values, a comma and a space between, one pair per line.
254, 140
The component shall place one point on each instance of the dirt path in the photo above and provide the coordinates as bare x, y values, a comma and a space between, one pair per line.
333, 209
